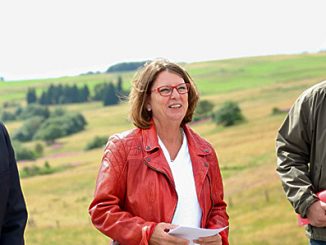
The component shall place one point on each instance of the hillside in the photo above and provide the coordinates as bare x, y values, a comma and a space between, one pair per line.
259, 212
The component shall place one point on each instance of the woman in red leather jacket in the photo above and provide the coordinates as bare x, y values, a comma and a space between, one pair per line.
160, 174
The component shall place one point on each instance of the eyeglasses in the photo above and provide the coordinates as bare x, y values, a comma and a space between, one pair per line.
181, 88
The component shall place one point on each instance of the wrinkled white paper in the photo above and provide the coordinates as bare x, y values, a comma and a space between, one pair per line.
191, 233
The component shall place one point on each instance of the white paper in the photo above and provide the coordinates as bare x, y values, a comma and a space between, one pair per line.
191, 233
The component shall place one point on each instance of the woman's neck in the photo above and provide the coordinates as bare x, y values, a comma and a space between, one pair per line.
169, 133
171, 136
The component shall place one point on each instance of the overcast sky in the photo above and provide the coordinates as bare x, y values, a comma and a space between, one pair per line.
51, 38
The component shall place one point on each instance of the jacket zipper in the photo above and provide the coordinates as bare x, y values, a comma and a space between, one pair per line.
211, 197
173, 187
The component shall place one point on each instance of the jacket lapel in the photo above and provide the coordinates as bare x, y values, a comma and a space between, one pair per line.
198, 151
154, 157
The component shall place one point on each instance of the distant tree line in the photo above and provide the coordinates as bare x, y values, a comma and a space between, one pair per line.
58, 94
108, 93
125, 66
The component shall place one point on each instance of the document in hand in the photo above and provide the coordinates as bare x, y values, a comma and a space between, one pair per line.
191, 233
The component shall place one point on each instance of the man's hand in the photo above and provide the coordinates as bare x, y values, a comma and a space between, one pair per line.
317, 214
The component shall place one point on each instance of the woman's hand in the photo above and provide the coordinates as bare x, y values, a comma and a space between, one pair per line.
213, 240
160, 236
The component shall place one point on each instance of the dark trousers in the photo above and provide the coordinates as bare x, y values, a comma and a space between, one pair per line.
317, 242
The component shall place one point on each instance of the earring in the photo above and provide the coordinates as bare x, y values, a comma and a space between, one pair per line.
149, 108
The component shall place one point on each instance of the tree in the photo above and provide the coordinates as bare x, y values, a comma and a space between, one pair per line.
99, 91
84, 94
51, 93
119, 85
229, 114
45, 99
110, 95
74, 94
204, 108
31, 96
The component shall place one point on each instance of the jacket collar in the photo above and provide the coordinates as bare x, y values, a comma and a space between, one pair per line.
150, 140
197, 145
198, 149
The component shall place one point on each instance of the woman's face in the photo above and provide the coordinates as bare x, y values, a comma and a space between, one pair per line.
172, 108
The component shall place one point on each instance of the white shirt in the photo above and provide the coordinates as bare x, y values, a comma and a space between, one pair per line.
188, 212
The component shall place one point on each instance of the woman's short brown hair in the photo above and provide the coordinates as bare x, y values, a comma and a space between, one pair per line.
142, 84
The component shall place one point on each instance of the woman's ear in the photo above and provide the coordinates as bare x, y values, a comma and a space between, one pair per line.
148, 104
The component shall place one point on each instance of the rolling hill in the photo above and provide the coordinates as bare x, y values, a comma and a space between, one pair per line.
259, 212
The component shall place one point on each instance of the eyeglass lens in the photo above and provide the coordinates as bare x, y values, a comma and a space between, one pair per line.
167, 90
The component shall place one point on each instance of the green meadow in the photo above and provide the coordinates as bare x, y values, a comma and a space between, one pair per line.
259, 212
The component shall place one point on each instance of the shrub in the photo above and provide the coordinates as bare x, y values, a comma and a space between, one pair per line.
96, 142
39, 149
23, 153
49, 132
28, 129
229, 114
34, 170
57, 127
34, 110
204, 108
57, 112
277, 111
30, 171
8, 116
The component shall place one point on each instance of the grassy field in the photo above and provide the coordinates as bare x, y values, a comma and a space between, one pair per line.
259, 212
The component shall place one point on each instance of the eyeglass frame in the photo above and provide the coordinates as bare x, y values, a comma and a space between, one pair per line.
188, 85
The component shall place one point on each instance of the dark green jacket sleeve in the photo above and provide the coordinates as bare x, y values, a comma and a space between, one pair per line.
293, 146
13, 214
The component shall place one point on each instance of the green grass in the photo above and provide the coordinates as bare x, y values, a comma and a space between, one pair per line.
259, 212
247, 73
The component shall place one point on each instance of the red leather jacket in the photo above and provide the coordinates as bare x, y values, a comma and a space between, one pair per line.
135, 189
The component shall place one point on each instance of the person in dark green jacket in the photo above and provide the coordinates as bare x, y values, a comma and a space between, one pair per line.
301, 159
13, 213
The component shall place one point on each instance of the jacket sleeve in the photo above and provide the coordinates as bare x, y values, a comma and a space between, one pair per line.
16, 214
293, 143
218, 216
107, 209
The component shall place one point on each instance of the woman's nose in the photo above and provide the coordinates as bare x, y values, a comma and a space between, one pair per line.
175, 92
